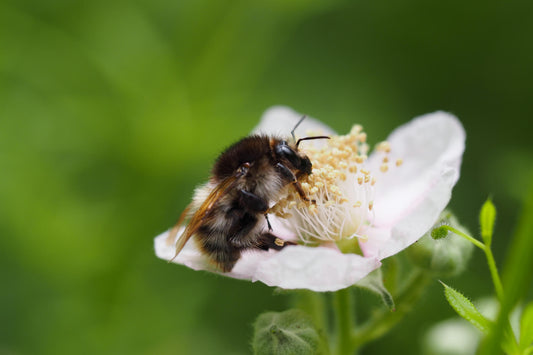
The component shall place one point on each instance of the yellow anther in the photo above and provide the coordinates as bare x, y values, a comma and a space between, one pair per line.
360, 180
370, 205
386, 159
399, 162
384, 168
357, 204
356, 129
383, 147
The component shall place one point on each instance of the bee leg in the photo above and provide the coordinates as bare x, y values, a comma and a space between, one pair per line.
252, 202
268, 222
292, 178
270, 241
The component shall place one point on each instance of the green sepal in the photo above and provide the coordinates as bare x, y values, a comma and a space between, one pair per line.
466, 309
374, 283
526, 329
289, 332
487, 217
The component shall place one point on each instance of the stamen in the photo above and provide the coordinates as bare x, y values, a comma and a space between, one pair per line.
340, 184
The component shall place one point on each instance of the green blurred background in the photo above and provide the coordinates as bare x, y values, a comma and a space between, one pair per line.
111, 112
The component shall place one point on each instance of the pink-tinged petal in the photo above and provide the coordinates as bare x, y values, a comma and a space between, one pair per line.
280, 120
294, 267
317, 269
189, 256
409, 198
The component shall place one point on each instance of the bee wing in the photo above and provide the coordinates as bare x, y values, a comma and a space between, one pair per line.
199, 215
174, 231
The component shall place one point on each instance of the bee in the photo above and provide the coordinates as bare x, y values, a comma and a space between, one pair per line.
226, 214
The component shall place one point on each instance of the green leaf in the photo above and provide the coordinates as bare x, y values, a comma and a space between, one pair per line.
289, 332
487, 216
526, 328
466, 309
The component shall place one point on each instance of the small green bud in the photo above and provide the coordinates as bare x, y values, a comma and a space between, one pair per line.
487, 216
439, 233
289, 332
440, 251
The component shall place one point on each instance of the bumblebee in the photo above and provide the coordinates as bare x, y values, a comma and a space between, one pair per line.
226, 214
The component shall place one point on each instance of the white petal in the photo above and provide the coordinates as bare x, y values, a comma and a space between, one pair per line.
189, 255
316, 269
409, 198
294, 267
280, 120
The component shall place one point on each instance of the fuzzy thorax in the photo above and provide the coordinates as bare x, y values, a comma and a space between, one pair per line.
341, 191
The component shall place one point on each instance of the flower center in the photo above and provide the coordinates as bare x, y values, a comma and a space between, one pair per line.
341, 191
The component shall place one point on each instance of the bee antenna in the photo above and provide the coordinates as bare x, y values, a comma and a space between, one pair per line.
309, 138
296, 126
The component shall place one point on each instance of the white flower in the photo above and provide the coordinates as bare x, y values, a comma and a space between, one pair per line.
383, 203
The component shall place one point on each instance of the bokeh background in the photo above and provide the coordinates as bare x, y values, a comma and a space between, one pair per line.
111, 112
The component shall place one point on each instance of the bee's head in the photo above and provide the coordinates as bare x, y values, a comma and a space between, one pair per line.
289, 152
293, 158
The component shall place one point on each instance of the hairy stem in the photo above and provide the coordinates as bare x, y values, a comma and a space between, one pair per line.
474, 241
490, 259
494, 273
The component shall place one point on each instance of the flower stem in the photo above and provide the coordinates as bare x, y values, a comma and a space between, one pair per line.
474, 241
490, 259
343, 306
382, 322
494, 273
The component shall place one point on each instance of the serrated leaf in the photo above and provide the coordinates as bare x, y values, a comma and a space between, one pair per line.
487, 216
526, 328
466, 309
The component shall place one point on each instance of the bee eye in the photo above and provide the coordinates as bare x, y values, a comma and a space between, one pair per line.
283, 150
